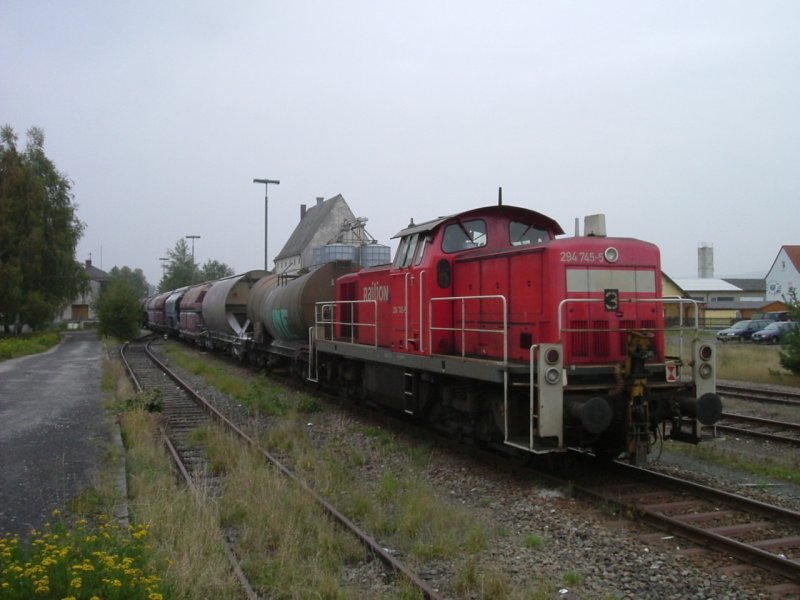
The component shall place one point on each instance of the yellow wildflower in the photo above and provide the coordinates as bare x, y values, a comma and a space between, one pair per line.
76, 583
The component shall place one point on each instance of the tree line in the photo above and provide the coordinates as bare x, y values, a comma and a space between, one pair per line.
39, 233
39, 230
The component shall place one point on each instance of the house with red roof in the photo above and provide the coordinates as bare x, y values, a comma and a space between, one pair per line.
783, 278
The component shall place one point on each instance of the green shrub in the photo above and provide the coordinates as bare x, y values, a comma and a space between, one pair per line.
22, 345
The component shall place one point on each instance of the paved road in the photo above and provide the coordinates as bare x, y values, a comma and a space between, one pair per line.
53, 430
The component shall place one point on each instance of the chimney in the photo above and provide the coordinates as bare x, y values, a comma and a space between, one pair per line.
705, 261
88, 262
320, 200
302, 211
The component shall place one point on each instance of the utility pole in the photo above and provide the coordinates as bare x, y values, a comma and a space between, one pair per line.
266, 183
193, 238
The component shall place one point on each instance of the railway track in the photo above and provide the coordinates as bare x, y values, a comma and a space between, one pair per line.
186, 411
785, 396
755, 533
781, 432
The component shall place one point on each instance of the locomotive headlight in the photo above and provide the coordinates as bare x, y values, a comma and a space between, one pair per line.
552, 375
705, 370
551, 356
611, 254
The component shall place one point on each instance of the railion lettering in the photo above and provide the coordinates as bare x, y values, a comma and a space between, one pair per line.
377, 292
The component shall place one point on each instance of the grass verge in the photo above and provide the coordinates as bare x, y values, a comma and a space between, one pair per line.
741, 361
254, 391
765, 467
27, 343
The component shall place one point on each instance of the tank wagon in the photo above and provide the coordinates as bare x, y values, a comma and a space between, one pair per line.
191, 323
155, 307
228, 326
489, 327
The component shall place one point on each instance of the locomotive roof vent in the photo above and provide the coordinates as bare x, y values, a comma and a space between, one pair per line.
594, 225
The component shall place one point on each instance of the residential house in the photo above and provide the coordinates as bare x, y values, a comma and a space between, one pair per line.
783, 278
82, 310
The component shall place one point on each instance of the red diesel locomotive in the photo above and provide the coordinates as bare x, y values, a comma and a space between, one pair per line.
489, 327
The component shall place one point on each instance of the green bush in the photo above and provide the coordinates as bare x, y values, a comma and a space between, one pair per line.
790, 357
21, 345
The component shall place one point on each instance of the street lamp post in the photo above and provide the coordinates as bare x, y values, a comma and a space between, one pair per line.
266, 183
193, 238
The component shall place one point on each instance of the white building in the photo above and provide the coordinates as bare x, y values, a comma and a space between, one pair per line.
783, 278
318, 225
83, 308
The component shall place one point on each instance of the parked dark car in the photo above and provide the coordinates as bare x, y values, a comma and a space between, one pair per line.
742, 330
774, 332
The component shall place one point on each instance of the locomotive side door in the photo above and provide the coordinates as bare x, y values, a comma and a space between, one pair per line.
407, 284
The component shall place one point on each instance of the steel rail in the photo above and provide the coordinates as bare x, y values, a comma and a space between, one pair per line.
232, 560
759, 422
747, 553
236, 567
782, 396
367, 540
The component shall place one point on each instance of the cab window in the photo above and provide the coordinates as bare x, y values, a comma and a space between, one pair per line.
464, 235
524, 234
423, 244
405, 251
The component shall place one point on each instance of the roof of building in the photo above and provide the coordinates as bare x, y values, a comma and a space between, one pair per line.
705, 284
667, 279
95, 274
738, 305
793, 252
749, 285
303, 234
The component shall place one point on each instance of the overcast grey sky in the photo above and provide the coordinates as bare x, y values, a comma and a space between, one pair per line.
679, 120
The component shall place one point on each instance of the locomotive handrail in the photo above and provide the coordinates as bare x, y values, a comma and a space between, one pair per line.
667, 300
320, 319
464, 330
680, 327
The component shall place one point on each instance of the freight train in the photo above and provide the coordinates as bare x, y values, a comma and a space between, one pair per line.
486, 325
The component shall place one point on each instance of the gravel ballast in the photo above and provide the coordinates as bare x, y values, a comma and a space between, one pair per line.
585, 551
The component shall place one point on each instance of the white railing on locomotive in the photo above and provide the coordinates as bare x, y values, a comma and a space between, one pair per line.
680, 327
326, 323
463, 330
